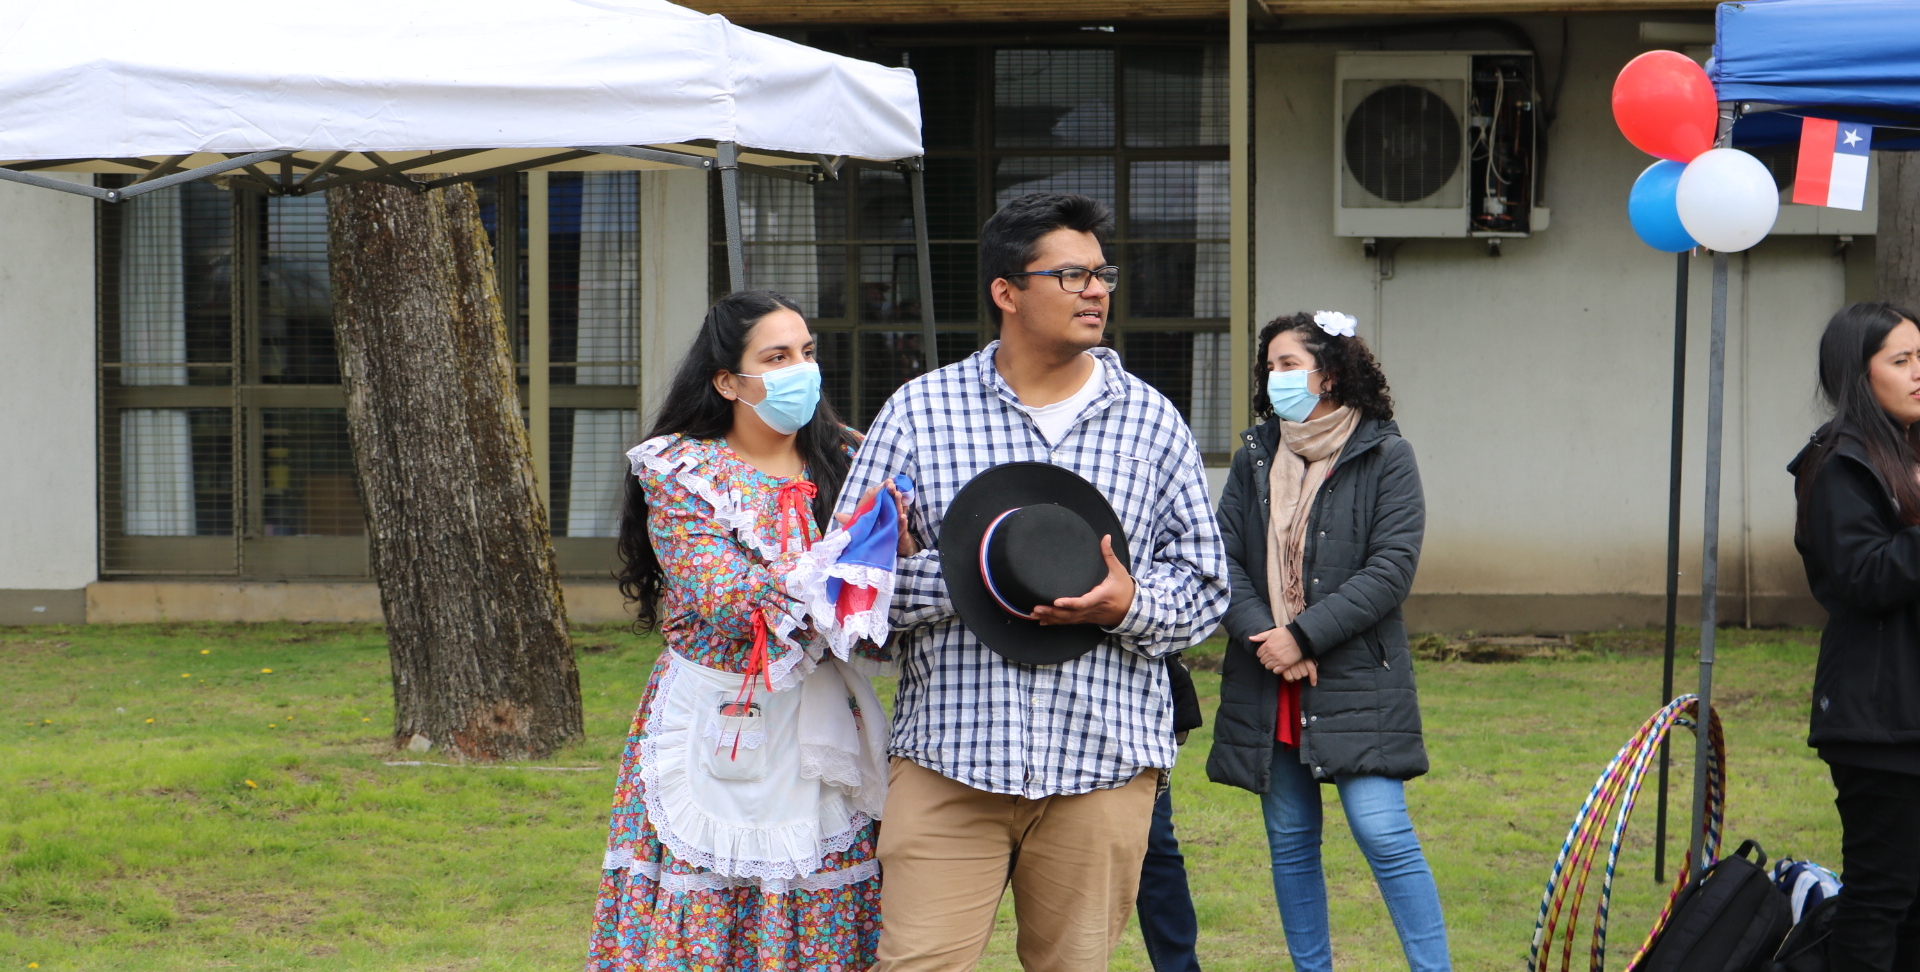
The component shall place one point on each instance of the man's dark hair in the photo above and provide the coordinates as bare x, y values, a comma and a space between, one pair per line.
1011, 237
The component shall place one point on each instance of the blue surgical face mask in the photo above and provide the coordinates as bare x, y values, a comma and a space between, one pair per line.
1287, 391
793, 393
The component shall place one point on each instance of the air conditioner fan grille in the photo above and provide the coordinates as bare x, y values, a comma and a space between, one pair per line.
1403, 143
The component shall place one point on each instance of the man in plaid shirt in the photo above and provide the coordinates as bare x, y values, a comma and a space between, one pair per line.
1041, 776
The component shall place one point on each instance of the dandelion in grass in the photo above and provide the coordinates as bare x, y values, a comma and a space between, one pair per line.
186, 674
46, 722
149, 722
266, 671
206, 651
273, 725
251, 785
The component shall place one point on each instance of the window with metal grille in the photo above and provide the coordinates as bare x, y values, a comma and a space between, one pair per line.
223, 440
592, 321
1142, 128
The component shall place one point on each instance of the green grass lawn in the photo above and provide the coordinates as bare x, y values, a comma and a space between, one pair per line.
168, 803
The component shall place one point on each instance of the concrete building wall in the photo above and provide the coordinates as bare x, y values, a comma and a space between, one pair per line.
48, 548
1535, 387
673, 276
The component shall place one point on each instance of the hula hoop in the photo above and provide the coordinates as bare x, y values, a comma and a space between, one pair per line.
1613, 794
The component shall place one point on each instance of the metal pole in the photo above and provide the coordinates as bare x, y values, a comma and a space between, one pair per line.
539, 341
1710, 533
1239, 222
1673, 541
917, 188
1709, 557
730, 211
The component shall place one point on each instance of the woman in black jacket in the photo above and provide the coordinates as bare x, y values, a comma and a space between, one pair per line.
1858, 486
1322, 517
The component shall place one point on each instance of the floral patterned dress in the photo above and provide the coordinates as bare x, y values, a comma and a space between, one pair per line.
728, 536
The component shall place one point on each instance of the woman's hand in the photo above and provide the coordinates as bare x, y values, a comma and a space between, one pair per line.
1276, 650
908, 546
1305, 668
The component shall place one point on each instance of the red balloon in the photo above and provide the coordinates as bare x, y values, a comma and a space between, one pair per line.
1665, 105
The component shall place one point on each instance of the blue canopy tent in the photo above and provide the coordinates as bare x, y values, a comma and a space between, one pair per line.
1774, 63
1849, 60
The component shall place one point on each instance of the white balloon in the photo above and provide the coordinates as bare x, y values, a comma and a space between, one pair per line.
1727, 200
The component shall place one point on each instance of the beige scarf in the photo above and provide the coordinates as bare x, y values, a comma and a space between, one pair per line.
1311, 449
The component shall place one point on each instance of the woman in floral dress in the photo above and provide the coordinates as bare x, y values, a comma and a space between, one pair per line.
730, 489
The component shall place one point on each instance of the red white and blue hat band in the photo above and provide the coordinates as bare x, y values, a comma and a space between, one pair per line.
986, 573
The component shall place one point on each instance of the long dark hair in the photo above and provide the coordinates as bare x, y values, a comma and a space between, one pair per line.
1347, 362
694, 408
1853, 336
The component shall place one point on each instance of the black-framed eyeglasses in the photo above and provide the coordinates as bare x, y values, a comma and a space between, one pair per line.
1074, 280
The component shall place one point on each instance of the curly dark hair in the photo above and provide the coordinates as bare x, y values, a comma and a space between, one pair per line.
1346, 362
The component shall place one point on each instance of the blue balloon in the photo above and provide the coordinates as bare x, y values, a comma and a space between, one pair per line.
1651, 207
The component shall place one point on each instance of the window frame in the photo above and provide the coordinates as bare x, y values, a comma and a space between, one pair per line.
246, 552
983, 154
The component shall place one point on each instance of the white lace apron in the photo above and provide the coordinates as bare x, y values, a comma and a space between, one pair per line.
762, 790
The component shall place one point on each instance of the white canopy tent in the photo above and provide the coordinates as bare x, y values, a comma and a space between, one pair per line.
290, 99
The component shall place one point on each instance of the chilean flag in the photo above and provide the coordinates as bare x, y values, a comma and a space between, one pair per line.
846, 578
1833, 164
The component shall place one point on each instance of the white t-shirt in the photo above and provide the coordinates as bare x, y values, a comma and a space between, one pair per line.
1055, 419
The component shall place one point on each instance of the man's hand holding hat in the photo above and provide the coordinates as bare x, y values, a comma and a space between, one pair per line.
1106, 605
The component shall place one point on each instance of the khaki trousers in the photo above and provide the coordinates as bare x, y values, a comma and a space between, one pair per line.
948, 852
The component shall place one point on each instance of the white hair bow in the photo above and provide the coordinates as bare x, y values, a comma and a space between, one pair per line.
1335, 323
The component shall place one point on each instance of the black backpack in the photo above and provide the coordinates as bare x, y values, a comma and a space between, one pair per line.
1805, 949
1731, 919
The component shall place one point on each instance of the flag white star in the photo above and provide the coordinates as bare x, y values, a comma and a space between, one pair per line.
1852, 137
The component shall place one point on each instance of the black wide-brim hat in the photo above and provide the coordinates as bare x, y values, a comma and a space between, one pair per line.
1019, 535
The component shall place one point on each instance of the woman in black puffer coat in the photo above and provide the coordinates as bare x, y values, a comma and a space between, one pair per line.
1858, 486
1322, 517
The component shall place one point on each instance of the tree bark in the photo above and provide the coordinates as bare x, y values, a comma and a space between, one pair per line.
476, 629
1896, 244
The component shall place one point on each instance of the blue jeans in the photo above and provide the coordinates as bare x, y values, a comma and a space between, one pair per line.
1377, 812
1167, 925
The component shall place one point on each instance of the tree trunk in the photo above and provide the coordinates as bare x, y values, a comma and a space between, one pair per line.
477, 632
1896, 244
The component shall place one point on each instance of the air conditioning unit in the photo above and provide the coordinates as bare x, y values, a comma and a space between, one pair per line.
1435, 144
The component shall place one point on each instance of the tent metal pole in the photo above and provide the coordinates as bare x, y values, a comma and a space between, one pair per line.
189, 175
686, 159
729, 167
46, 182
1674, 458
529, 165
1241, 326
923, 253
540, 337
168, 167
1710, 531
1709, 558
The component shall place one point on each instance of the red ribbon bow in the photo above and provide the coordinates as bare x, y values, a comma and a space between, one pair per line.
795, 500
